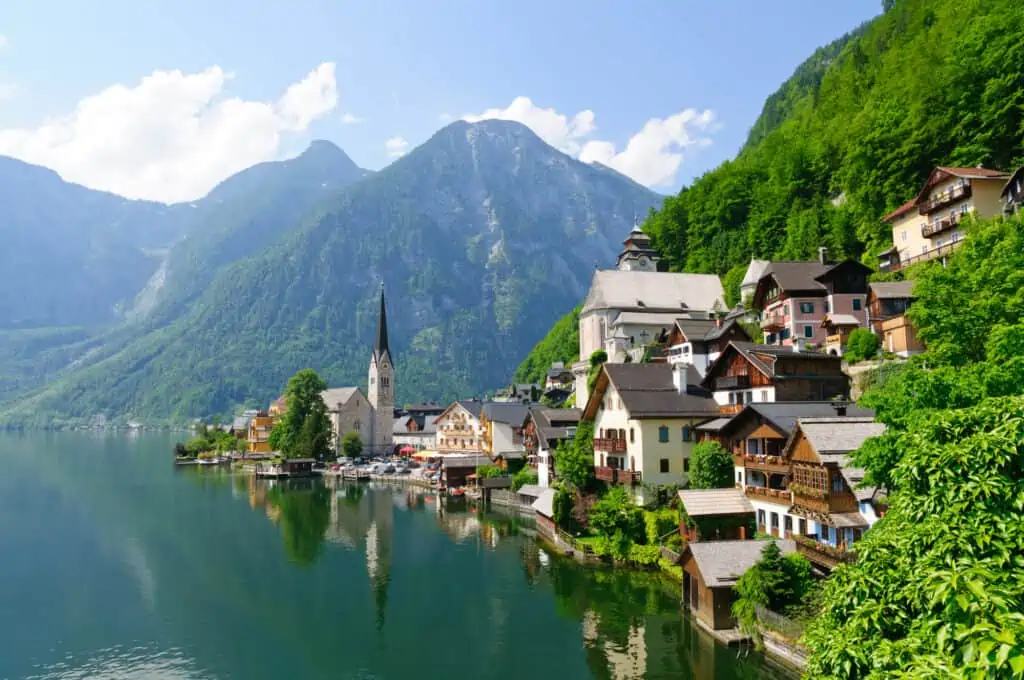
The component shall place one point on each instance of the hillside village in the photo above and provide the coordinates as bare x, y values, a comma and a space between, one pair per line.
665, 367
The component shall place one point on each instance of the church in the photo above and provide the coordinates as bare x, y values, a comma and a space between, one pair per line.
369, 415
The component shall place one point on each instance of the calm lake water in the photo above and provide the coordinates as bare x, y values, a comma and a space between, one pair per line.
114, 564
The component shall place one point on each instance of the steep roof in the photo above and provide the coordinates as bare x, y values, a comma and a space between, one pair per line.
902, 210
1009, 182
712, 502
665, 319
653, 291
764, 357
647, 391
973, 173
333, 396
892, 289
506, 412
755, 270
703, 330
784, 414
722, 563
831, 435
380, 345
473, 406
554, 423
806, 275
545, 503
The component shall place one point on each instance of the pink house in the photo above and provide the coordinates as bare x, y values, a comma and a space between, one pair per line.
797, 297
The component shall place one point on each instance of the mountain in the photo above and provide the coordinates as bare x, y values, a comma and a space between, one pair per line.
482, 236
852, 135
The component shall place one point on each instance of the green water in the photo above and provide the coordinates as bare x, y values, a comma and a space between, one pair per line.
114, 564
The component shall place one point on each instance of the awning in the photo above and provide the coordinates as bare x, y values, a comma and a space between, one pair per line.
407, 449
423, 455
765, 432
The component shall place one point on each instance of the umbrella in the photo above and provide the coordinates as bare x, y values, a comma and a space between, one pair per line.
407, 450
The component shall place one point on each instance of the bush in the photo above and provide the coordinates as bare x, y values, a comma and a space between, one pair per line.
619, 520
525, 476
862, 344
561, 507
644, 555
659, 523
489, 472
711, 467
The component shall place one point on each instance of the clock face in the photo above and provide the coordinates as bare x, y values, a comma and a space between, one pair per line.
643, 260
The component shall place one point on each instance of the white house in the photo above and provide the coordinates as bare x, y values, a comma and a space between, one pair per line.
502, 423
459, 429
543, 429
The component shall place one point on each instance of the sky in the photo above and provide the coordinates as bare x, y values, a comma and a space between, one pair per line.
163, 99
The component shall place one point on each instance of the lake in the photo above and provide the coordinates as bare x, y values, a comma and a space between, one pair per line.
117, 565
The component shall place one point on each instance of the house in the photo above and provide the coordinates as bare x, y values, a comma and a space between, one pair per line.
258, 437
1013, 192
887, 307
543, 429
795, 298
414, 432
349, 411
757, 438
711, 569
459, 429
645, 417
278, 406
716, 515
519, 393
746, 373
837, 329
457, 467
708, 337
825, 486
927, 226
558, 376
502, 425
652, 300
240, 426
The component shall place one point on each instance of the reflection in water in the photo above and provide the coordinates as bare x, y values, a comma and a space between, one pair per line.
303, 512
130, 663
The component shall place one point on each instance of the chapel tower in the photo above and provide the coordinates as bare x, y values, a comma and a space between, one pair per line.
381, 388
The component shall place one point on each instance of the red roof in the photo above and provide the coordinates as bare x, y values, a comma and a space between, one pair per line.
906, 207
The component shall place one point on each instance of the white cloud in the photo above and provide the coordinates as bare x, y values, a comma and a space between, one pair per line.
173, 136
651, 157
396, 146
351, 119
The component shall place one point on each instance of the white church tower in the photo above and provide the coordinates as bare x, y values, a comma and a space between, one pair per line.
381, 388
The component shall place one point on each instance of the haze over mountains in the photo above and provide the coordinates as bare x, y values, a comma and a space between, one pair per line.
483, 236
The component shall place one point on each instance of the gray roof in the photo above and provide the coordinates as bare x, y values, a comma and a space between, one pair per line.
544, 505
506, 412
653, 291
698, 330
554, 423
755, 270
784, 414
533, 490
892, 289
842, 520
838, 434
764, 358
464, 460
710, 502
647, 391
722, 563
337, 395
401, 425
714, 425
471, 405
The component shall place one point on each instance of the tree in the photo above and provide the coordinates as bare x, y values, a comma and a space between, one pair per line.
304, 430
526, 475
618, 519
711, 467
597, 359
936, 590
776, 582
574, 458
351, 445
862, 344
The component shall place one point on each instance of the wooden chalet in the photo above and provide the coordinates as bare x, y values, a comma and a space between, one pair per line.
707, 337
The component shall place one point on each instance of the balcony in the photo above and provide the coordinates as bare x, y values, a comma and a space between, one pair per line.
615, 476
957, 193
732, 382
762, 493
730, 409
610, 445
774, 464
822, 554
940, 225
774, 322
933, 254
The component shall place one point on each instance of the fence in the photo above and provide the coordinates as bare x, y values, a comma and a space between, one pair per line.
783, 625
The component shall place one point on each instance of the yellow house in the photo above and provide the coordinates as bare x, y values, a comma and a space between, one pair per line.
928, 226
259, 433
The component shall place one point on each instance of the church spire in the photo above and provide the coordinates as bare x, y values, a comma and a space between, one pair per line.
380, 346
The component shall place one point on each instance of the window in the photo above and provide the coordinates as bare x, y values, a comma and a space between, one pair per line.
752, 447
771, 338
686, 464
764, 396
775, 521
904, 235
785, 334
632, 436
856, 304
837, 483
357, 425
828, 307
807, 308
760, 518
663, 466
801, 525
739, 476
732, 398
787, 524
808, 331
662, 434
686, 433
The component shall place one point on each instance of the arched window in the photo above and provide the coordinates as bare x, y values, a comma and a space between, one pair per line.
663, 434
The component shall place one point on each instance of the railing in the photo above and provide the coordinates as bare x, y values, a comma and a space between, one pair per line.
769, 463
932, 254
939, 225
773, 322
836, 339
957, 193
575, 544
614, 476
730, 409
823, 554
610, 445
727, 382
773, 495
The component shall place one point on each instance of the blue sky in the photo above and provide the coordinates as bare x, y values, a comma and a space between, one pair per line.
398, 65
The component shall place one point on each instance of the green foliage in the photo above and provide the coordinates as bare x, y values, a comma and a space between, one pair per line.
526, 475
618, 519
304, 430
860, 345
775, 582
304, 516
562, 505
562, 343
731, 283
489, 472
210, 440
711, 466
936, 590
658, 523
597, 360
574, 458
351, 445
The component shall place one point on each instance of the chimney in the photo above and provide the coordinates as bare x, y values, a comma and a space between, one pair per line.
718, 322
823, 255
680, 358
840, 407
679, 377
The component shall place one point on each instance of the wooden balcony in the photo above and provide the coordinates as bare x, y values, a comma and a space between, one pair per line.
615, 476
955, 194
940, 225
935, 253
731, 382
610, 445
836, 339
761, 493
823, 554
730, 409
774, 322
773, 464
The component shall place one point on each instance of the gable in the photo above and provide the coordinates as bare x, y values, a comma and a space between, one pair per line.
800, 450
730, 362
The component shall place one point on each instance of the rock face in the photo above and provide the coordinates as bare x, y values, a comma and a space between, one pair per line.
483, 237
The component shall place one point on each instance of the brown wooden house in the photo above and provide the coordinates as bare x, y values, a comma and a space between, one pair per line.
711, 569
887, 307
715, 515
708, 337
